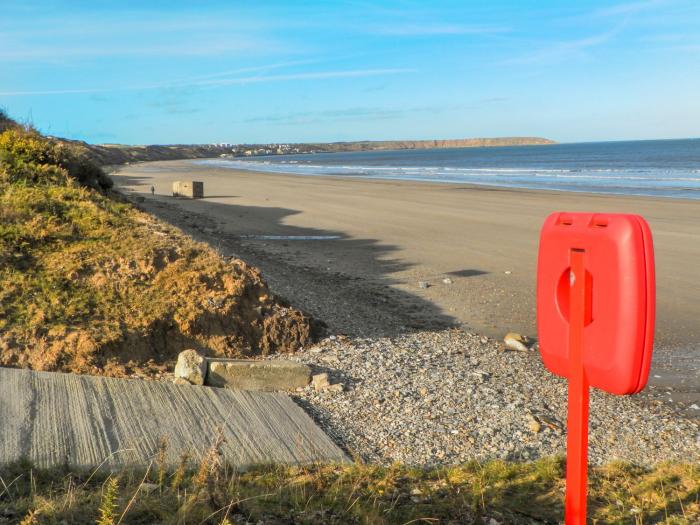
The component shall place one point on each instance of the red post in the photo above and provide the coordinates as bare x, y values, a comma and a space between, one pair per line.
577, 422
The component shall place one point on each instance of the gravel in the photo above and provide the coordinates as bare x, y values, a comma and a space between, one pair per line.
447, 397
426, 397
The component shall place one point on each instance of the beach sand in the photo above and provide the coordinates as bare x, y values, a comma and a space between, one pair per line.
376, 240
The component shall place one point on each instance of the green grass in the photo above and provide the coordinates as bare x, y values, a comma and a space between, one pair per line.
508, 492
90, 284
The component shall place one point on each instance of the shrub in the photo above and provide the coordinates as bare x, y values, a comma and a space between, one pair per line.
5, 121
26, 157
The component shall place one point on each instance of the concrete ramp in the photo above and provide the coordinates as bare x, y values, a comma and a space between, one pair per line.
57, 419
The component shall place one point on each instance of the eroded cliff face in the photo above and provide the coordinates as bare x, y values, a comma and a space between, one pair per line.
91, 284
133, 298
107, 154
428, 144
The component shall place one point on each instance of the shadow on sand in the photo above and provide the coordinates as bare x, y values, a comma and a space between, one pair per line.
348, 283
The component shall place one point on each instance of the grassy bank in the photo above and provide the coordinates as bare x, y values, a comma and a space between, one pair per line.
473, 493
90, 284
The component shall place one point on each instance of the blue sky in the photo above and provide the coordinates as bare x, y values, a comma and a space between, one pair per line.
186, 72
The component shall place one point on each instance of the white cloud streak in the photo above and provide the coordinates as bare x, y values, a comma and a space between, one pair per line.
195, 48
310, 75
629, 8
434, 29
562, 50
305, 76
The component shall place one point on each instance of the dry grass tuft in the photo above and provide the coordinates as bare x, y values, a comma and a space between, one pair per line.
212, 492
108, 506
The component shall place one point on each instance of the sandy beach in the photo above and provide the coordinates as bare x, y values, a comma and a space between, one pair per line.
353, 252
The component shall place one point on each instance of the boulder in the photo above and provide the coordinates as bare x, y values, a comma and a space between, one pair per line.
250, 374
191, 367
320, 382
517, 342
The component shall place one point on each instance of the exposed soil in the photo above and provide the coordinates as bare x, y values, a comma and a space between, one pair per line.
142, 296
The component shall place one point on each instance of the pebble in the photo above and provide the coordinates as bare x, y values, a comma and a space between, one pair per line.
447, 397
533, 424
423, 284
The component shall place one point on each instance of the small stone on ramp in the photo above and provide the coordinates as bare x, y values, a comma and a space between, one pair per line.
55, 419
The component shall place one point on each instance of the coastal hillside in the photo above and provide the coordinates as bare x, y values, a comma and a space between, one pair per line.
248, 150
108, 154
90, 284
5, 122
111, 154
370, 145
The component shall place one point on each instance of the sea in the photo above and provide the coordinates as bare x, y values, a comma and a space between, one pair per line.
661, 168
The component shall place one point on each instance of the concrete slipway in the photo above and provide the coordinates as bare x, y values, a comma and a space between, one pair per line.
57, 419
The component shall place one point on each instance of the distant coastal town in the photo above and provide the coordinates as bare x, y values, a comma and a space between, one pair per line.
251, 150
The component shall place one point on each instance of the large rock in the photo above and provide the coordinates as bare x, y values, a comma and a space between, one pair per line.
248, 374
320, 381
191, 367
516, 342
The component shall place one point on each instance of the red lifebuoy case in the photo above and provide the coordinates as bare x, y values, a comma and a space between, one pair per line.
620, 296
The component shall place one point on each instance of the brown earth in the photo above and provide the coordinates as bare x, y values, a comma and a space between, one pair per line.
150, 302
91, 284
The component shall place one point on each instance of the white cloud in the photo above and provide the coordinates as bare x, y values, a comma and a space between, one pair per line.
193, 48
561, 50
305, 76
309, 75
434, 29
629, 8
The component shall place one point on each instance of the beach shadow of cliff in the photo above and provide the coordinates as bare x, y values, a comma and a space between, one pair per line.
347, 283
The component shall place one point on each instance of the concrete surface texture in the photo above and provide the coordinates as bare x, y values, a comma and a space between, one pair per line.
249, 374
57, 419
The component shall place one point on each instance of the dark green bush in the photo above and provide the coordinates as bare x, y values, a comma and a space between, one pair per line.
5, 121
26, 157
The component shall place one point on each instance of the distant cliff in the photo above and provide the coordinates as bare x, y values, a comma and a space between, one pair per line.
369, 145
106, 154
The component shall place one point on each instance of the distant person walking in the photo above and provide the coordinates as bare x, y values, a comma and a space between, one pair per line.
153, 191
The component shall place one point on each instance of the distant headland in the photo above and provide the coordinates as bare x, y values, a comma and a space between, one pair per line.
119, 154
369, 145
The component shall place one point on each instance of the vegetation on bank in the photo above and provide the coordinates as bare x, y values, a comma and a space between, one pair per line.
474, 493
90, 284
106, 154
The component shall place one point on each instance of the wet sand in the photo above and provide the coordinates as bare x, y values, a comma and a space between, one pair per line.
373, 241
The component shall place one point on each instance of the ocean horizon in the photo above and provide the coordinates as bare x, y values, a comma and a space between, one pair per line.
661, 168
